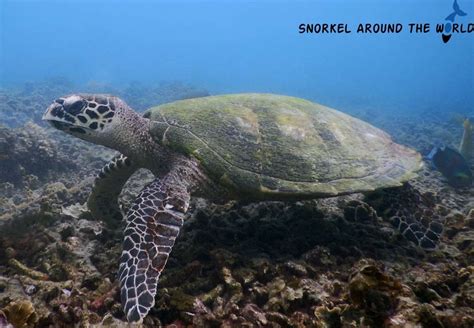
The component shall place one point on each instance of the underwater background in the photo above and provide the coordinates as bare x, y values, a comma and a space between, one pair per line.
240, 46
334, 262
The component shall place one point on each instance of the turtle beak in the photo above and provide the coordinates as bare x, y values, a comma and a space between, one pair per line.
53, 112
55, 115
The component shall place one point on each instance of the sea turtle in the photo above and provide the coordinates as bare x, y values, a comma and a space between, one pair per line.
240, 146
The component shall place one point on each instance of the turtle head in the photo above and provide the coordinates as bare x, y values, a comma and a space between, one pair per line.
101, 119
89, 117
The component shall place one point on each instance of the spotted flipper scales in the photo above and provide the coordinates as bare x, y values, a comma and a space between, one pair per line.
412, 213
103, 201
153, 224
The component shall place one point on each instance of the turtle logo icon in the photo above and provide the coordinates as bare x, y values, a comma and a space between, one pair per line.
450, 19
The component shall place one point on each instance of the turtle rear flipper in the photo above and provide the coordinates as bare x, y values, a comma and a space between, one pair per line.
153, 224
412, 213
426, 236
103, 201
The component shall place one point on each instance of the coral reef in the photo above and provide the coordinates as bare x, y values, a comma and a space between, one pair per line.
326, 263
20, 314
27, 155
28, 102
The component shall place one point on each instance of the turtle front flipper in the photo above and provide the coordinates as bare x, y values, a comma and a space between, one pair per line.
103, 201
153, 223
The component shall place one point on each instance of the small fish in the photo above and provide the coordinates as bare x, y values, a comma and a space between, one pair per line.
457, 11
452, 165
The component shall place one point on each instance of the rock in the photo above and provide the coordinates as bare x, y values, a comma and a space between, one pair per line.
4, 322
428, 317
245, 276
66, 233
232, 286
469, 221
373, 290
278, 318
10, 252
254, 314
466, 290
92, 282
329, 317
20, 314
295, 269
23, 269
30, 289
319, 256
29, 155
358, 211
313, 292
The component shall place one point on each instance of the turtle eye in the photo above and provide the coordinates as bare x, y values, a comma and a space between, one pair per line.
75, 107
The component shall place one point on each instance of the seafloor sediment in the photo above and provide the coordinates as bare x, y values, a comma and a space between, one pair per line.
325, 263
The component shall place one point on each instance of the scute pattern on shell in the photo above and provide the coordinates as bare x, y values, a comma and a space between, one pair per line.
271, 146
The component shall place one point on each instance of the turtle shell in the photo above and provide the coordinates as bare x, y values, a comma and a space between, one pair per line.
277, 147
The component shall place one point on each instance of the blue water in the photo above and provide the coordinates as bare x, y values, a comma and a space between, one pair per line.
237, 46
